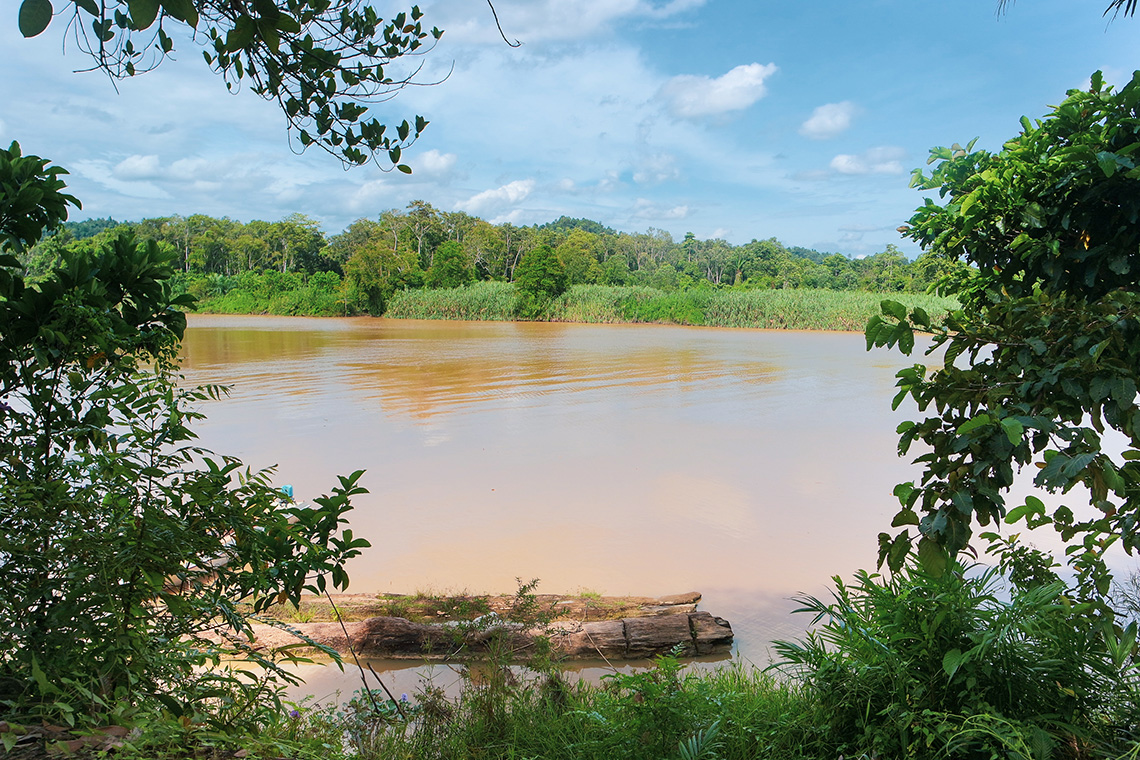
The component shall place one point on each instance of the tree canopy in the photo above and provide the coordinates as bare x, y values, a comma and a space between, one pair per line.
321, 61
1042, 363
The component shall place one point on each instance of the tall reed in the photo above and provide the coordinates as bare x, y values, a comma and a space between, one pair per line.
478, 301
793, 309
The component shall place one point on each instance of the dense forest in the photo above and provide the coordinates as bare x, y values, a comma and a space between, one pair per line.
291, 267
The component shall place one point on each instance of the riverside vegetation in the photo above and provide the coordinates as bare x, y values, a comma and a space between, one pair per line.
427, 264
124, 543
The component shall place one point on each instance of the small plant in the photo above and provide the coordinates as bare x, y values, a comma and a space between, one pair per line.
702, 745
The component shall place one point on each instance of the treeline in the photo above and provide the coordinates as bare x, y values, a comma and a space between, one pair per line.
291, 267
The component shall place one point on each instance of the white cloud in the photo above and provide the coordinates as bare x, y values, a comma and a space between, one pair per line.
369, 196
138, 167
883, 160
101, 173
720, 233
829, 120
694, 96
489, 200
515, 216
647, 209
434, 163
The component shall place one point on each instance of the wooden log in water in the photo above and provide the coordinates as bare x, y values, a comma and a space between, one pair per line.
661, 626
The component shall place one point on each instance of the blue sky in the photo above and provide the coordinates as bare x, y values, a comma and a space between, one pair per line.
727, 118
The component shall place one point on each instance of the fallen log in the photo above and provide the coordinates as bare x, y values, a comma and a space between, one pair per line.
661, 626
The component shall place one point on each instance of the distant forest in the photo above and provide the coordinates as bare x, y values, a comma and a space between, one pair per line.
360, 268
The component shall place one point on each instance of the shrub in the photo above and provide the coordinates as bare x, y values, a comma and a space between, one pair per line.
922, 666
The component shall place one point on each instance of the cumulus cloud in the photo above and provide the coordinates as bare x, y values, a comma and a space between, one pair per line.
434, 163
829, 120
883, 160
138, 168
647, 209
489, 200
692, 96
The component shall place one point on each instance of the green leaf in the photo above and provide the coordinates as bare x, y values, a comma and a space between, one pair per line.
143, 12
35, 15
972, 424
933, 557
89, 5
404, 168
905, 517
893, 309
953, 660
1107, 163
1014, 430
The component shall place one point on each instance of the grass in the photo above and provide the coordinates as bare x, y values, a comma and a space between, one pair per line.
641, 715
793, 309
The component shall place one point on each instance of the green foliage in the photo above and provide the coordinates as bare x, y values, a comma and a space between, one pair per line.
478, 301
129, 555
641, 714
1043, 357
928, 666
449, 267
31, 201
774, 309
541, 274
321, 61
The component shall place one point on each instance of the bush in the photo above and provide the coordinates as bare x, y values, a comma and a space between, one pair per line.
921, 666
131, 560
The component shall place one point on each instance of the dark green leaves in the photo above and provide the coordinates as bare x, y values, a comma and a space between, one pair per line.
35, 15
31, 198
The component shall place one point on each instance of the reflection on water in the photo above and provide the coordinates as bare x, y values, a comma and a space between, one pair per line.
623, 459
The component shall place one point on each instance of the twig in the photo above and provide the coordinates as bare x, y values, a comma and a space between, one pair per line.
352, 651
514, 44
399, 707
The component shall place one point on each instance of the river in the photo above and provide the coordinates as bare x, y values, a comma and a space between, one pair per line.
621, 459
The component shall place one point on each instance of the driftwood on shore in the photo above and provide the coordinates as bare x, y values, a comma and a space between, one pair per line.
659, 626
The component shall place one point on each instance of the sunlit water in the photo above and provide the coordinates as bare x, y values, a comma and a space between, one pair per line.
623, 459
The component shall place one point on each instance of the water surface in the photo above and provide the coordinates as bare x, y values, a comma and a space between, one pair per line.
623, 459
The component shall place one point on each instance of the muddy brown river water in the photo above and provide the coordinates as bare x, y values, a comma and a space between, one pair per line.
622, 459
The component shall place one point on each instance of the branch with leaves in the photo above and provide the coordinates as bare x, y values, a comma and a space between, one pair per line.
324, 62
1043, 359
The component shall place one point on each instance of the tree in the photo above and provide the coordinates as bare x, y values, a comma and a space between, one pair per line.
123, 544
541, 274
321, 61
1043, 358
579, 253
450, 268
